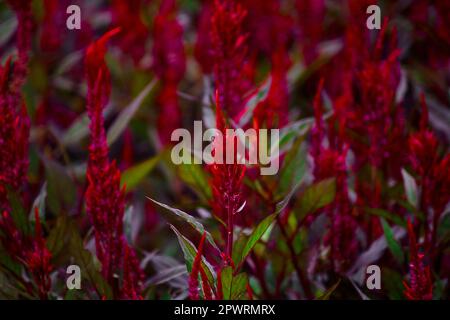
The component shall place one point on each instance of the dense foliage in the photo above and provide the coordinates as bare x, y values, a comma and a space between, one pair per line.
87, 178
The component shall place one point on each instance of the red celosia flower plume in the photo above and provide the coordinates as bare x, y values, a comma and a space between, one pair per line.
420, 285
14, 121
203, 46
14, 132
132, 276
434, 177
52, 24
226, 180
330, 161
104, 196
31, 251
270, 33
273, 111
269, 29
127, 15
374, 121
311, 14
230, 51
169, 64
37, 259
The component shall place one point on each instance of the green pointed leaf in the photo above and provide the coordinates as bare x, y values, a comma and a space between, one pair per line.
253, 101
190, 251
239, 287
58, 237
238, 247
227, 279
127, 114
327, 294
18, 213
294, 168
39, 203
134, 175
233, 287
257, 233
77, 131
86, 261
189, 219
8, 26
316, 196
60, 187
411, 189
393, 245
195, 177
387, 215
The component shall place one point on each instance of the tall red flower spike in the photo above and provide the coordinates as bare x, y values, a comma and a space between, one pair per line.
434, 177
169, 64
226, 182
203, 51
31, 251
52, 25
273, 111
127, 15
14, 121
230, 50
37, 259
330, 162
420, 285
311, 14
104, 196
132, 276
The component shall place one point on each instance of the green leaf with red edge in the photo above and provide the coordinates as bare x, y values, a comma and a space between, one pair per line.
254, 237
411, 189
190, 251
122, 120
190, 220
259, 95
294, 167
316, 196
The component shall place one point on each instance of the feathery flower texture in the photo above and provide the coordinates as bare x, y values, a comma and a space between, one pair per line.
104, 196
356, 110
31, 251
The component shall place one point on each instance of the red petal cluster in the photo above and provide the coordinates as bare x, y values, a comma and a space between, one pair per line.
329, 153
196, 267
14, 121
31, 251
169, 64
434, 177
230, 54
104, 196
311, 14
226, 182
420, 284
127, 16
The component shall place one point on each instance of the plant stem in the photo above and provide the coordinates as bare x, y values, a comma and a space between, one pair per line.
229, 245
298, 270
